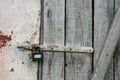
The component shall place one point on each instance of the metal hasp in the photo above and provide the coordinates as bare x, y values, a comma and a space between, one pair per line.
37, 50
57, 48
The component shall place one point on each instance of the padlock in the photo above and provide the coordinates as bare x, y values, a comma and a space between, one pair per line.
37, 55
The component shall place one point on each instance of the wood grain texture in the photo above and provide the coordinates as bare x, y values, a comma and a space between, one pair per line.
117, 52
103, 16
19, 22
117, 62
78, 33
108, 50
53, 63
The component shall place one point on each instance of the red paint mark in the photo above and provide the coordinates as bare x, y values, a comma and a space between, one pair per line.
11, 70
4, 39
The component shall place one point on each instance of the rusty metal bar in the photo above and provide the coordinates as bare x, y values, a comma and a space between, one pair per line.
57, 48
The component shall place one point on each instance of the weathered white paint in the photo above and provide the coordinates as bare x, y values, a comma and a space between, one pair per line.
21, 20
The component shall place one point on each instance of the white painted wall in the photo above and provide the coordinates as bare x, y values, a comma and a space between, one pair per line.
19, 19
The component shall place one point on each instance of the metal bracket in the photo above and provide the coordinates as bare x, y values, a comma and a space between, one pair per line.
57, 48
37, 50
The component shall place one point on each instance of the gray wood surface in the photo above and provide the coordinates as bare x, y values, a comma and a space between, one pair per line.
117, 62
53, 63
103, 15
117, 52
78, 33
108, 50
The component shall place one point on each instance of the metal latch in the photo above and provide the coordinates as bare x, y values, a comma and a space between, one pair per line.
37, 50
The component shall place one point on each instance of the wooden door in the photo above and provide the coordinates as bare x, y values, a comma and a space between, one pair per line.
66, 23
76, 23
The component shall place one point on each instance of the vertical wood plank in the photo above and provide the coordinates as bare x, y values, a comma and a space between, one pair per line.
53, 63
78, 33
117, 62
103, 15
19, 23
117, 52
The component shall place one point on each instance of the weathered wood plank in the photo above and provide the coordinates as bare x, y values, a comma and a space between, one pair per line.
103, 15
117, 52
117, 62
108, 50
53, 63
19, 23
78, 33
